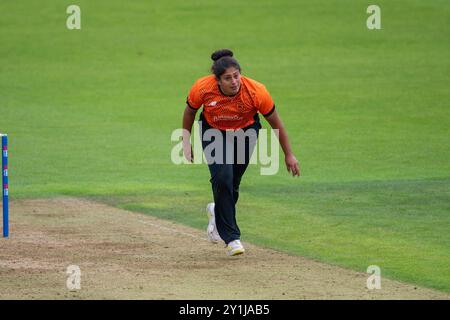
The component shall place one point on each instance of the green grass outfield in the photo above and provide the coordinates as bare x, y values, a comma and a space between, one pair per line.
90, 113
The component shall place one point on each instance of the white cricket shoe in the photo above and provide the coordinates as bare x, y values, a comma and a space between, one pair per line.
211, 231
235, 247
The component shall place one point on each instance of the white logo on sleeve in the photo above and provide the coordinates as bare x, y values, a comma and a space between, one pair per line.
212, 104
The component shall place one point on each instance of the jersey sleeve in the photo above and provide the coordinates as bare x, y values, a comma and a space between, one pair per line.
265, 103
195, 99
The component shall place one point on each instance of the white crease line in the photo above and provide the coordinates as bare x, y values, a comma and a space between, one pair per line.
171, 230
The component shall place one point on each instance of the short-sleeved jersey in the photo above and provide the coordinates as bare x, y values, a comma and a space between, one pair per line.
230, 112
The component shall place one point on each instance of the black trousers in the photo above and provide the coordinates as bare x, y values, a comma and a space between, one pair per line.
227, 164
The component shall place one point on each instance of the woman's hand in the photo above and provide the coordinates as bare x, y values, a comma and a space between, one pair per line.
188, 120
291, 162
187, 151
292, 165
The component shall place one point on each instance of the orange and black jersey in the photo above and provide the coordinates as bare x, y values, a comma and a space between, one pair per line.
230, 112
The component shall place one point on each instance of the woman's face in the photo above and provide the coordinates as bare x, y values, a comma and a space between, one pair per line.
230, 81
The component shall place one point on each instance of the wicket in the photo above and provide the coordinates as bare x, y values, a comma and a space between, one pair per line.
5, 184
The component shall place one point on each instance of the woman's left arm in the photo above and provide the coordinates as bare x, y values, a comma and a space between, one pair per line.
292, 163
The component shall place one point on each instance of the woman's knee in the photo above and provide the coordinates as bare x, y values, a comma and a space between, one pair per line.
223, 177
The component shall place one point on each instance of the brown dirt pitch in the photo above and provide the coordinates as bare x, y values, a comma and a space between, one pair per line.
127, 255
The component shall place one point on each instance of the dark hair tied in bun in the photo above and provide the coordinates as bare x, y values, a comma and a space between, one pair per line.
223, 59
221, 53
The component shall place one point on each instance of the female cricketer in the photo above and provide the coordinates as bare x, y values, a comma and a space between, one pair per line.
230, 102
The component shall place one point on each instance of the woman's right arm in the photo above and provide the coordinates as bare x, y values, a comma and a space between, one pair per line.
188, 121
